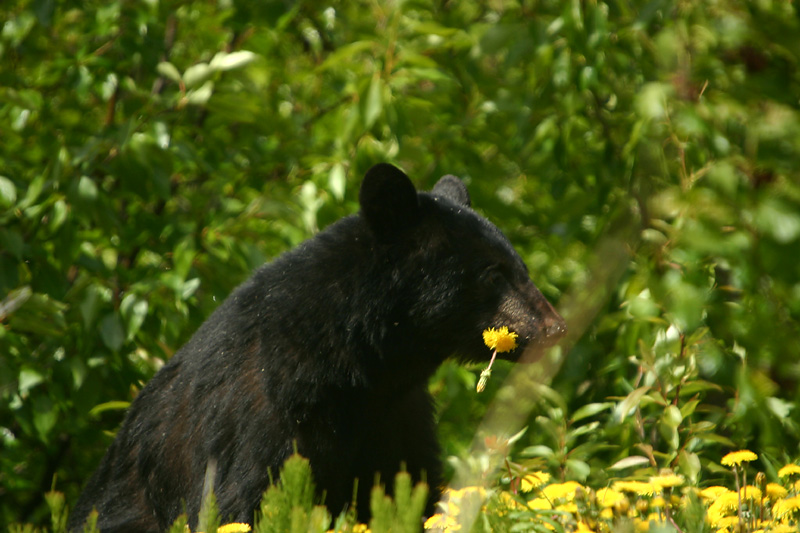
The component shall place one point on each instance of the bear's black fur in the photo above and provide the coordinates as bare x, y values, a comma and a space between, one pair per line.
328, 348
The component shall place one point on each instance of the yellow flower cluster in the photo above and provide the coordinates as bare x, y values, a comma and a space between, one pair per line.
757, 508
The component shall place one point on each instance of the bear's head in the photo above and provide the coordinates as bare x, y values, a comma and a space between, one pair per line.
452, 273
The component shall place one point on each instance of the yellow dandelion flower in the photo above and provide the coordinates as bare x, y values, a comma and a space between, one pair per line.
789, 470
775, 491
723, 506
444, 522
361, 528
641, 488
235, 527
737, 458
607, 513
729, 522
785, 507
712, 493
750, 492
534, 480
609, 497
500, 340
653, 520
569, 508
659, 502
540, 504
667, 480
782, 528
557, 491
583, 527
509, 503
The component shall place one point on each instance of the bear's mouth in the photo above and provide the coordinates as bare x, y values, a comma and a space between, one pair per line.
531, 348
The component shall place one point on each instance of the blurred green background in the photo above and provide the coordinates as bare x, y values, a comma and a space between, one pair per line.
642, 156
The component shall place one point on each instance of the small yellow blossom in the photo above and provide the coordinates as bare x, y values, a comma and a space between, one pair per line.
775, 491
500, 340
785, 507
569, 508
712, 493
659, 502
667, 480
443, 522
540, 504
608, 497
789, 470
534, 480
642, 488
723, 506
728, 522
235, 527
557, 491
750, 492
737, 458
782, 528
583, 527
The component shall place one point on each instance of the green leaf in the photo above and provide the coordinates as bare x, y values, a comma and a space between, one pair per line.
630, 403
630, 462
14, 300
45, 416
777, 219
337, 181
201, 95
374, 101
197, 74
229, 61
538, 451
189, 288
672, 416
8, 192
345, 53
578, 469
651, 102
690, 465
591, 409
28, 378
169, 71
87, 189
111, 332
134, 311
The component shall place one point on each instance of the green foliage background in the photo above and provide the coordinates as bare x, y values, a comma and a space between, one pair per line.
641, 155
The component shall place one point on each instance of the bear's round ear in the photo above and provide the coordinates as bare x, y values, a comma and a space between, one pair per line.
453, 189
388, 200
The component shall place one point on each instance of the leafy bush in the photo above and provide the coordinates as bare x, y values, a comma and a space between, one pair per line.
642, 156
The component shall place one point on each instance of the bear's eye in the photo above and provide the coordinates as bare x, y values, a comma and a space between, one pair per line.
493, 274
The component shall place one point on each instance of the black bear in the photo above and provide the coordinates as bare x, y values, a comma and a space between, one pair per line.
328, 348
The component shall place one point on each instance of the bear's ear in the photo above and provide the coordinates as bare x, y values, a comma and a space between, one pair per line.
388, 200
453, 189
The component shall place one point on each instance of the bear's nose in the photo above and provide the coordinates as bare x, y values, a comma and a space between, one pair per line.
555, 328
